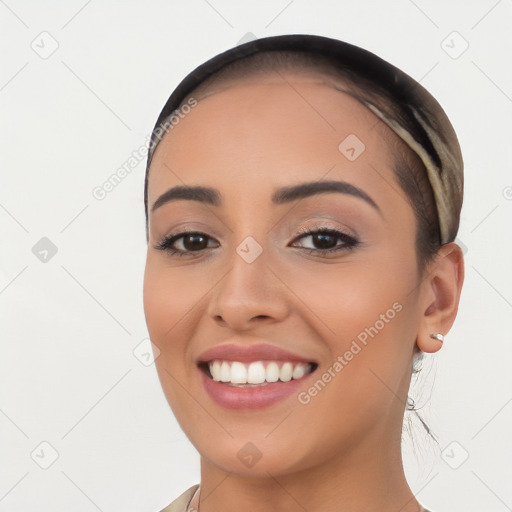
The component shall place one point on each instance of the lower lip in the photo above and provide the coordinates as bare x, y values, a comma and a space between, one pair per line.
257, 397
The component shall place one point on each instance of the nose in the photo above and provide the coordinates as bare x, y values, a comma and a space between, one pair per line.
248, 295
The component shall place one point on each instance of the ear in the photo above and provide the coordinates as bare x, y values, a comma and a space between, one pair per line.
440, 294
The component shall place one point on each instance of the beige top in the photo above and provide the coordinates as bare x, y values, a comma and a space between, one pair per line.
186, 502
189, 502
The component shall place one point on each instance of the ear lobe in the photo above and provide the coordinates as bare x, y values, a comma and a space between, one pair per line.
440, 296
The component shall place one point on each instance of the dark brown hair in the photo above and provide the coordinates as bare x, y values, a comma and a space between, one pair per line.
408, 167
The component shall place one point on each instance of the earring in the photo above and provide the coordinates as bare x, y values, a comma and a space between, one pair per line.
439, 337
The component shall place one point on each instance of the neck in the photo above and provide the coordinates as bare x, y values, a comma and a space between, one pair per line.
369, 478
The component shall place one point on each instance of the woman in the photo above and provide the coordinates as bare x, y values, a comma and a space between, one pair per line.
302, 200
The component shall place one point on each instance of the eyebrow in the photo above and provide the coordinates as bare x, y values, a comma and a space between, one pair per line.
282, 195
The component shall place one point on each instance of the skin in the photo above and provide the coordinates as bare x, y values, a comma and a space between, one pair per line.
341, 451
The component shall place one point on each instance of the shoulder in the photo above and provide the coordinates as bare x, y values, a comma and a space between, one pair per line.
181, 503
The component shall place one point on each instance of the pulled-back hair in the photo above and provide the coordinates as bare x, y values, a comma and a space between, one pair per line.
409, 169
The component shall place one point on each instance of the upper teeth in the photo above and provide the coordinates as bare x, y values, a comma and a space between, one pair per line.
256, 373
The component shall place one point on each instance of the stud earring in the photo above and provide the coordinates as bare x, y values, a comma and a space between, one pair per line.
439, 337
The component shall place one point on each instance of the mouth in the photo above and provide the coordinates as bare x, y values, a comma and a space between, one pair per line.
244, 374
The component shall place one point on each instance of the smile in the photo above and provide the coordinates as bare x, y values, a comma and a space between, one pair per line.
257, 373
253, 385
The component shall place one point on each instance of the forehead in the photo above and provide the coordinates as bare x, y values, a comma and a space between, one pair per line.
273, 124
304, 94
296, 89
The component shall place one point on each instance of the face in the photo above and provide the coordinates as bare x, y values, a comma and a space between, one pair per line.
251, 284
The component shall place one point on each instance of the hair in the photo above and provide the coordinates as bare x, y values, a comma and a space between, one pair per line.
409, 169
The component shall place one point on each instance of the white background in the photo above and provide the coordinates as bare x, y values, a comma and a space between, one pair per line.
69, 326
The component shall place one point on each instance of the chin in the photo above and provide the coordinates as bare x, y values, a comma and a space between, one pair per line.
258, 459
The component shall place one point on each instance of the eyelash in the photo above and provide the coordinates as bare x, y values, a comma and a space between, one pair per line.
349, 241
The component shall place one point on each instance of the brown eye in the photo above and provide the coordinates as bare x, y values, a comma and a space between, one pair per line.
184, 243
194, 242
325, 240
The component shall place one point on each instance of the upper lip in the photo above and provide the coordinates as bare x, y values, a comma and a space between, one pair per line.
250, 352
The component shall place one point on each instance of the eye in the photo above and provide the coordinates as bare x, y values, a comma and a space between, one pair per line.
184, 243
326, 239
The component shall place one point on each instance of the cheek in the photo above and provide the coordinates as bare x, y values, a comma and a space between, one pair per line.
169, 297
365, 313
367, 324
170, 304
352, 295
